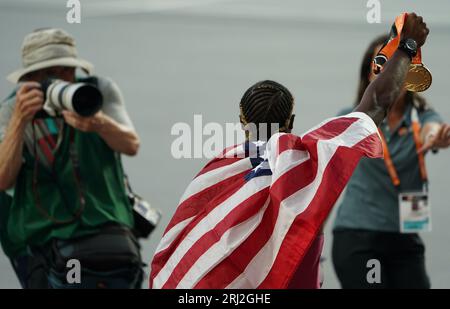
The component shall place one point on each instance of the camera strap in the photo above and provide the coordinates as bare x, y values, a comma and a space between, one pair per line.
77, 176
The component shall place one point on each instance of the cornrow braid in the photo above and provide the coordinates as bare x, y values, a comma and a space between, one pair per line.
267, 102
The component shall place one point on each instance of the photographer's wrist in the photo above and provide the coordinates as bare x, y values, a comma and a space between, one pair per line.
18, 123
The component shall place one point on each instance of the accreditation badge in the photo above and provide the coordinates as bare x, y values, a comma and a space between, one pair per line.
415, 212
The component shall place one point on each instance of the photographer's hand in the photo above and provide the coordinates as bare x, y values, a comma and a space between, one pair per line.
29, 100
84, 124
117, 136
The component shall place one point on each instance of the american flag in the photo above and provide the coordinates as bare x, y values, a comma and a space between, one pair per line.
248, 218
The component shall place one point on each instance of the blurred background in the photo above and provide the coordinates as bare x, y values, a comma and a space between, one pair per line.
176, 58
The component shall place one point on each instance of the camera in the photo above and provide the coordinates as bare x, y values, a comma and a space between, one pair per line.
85, 99
146, 217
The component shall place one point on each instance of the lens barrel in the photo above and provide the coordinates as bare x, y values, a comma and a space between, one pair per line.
81, 98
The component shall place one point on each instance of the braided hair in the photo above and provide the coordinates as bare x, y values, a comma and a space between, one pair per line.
267, 102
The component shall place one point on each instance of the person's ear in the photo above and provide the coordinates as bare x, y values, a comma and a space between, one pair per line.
291, 122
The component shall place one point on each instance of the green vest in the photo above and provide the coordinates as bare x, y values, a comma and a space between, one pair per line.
10, 248
102, 180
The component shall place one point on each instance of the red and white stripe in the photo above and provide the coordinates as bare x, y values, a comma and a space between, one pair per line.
231, 233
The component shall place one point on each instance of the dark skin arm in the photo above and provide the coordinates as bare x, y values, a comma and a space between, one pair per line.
385, 89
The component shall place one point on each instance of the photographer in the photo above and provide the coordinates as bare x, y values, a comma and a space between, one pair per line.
63, 170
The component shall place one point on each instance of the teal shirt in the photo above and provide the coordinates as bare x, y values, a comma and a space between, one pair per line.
371, 200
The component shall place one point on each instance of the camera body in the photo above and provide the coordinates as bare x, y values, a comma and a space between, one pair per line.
146, 218
85, 99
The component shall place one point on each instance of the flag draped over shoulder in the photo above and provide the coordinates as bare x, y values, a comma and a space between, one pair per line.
248, 218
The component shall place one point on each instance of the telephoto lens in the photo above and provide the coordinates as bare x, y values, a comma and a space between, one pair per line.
81, 98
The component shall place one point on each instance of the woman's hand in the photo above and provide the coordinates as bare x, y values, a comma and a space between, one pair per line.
439, 139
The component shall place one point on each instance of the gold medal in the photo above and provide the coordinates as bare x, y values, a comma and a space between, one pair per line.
418, 78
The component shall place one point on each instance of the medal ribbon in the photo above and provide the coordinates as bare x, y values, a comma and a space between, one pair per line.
391, 46
415, 126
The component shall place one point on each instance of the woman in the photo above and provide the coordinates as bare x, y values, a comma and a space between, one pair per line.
367, 222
